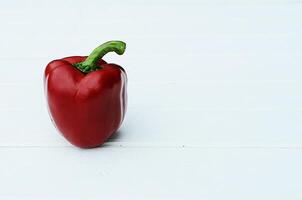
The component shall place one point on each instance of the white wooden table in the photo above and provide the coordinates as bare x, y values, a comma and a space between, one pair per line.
215, 100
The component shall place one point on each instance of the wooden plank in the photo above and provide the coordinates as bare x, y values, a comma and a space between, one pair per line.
226, 113
150, 173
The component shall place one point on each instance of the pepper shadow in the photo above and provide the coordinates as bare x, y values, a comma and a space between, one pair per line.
115, 136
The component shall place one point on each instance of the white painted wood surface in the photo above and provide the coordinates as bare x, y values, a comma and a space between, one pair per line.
215, 100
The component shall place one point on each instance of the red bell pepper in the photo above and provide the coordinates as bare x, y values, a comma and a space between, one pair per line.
87, 96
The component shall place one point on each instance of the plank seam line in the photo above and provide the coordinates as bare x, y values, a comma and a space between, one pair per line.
280, 147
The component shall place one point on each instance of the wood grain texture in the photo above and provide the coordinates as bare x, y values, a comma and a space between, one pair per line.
150, 173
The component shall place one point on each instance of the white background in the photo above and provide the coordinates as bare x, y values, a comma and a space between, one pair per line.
215, 100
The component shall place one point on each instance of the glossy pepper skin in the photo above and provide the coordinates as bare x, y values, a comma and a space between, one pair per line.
87, 104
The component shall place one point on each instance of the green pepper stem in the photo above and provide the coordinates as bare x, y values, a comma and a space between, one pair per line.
116, 46
90, 64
